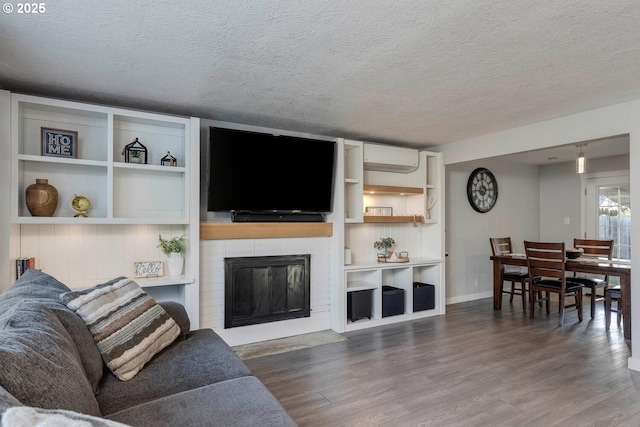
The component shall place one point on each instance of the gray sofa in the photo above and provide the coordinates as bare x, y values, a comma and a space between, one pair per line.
48, 360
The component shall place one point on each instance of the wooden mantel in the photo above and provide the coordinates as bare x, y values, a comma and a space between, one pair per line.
262, 230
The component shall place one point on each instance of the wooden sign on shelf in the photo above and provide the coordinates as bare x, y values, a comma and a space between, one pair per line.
148, 269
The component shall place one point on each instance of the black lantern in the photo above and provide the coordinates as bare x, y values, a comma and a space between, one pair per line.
135, 152
168, 160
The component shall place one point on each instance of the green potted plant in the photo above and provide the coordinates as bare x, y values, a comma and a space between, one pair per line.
174, 248
135, 156
385, 244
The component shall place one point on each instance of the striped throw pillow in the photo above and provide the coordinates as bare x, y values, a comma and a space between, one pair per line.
127, 324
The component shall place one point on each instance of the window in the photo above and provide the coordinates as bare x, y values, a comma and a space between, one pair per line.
609, 212
614, 218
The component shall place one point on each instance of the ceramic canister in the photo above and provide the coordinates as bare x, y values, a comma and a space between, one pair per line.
41, 198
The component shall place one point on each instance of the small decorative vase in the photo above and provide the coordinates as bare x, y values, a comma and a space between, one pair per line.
41, 198
175, 264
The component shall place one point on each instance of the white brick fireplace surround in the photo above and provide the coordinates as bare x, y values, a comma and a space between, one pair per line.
212, 254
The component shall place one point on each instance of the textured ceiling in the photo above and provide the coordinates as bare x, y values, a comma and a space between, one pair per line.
410, 72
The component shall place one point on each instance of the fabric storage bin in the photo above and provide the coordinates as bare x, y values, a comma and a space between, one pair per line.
392, 301
424, 296
359, 304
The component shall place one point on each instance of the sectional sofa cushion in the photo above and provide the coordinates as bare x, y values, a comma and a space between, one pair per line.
127, 324
240, 402
35, 285
40, 364
200, 359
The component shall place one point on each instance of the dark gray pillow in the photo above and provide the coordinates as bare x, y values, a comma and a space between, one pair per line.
40, 364
86, 347
34, 285
179, 314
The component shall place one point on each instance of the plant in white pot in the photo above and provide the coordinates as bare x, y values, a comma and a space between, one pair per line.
174, 249
385, 244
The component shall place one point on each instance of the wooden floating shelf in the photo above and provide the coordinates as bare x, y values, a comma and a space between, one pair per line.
262, 230
393, 190
396, 218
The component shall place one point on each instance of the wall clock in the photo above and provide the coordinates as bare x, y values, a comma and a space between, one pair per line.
482, 190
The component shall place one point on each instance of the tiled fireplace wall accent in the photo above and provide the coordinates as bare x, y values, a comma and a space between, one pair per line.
212, 254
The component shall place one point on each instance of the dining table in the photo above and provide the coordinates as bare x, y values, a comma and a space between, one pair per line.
600, 266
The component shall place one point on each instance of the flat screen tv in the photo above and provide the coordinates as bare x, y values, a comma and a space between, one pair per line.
251, 172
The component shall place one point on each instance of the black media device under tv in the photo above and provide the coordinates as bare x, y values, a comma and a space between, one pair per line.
261, 177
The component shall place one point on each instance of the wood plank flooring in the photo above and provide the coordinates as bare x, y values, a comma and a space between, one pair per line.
470, 367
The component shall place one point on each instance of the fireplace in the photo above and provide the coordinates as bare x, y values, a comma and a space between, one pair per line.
266, 289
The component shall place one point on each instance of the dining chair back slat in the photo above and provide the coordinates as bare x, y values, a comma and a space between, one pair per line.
500, 245
545, 259
594, 248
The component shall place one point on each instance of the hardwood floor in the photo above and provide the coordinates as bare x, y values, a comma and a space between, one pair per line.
471, 367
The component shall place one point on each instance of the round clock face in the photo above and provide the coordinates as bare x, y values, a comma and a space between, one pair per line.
482, 190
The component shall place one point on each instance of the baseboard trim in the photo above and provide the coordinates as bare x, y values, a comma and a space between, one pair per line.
470, 297
633, 363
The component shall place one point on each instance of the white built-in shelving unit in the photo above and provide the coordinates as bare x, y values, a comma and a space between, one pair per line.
415, 229
126, 194
353, 181
120, 193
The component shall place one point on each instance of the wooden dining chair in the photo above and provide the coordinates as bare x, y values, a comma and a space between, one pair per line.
594, 248
513, 274
547, 260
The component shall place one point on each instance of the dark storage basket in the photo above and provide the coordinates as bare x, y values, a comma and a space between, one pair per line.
359, 305
424, 296
392, 301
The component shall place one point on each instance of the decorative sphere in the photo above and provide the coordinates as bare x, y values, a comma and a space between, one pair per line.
80, 204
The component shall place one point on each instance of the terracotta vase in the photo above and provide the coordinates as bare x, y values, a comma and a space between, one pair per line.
41, 198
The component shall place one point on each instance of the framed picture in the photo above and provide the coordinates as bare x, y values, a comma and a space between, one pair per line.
378, 211
148, 269
59, 143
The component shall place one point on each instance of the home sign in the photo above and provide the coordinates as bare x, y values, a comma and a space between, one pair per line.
59, 143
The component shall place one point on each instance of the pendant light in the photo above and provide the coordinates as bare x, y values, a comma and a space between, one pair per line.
581, 161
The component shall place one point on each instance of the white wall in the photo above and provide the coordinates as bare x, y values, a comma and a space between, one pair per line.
469, 273
533, 203
83, 255
561, 198
618, 119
